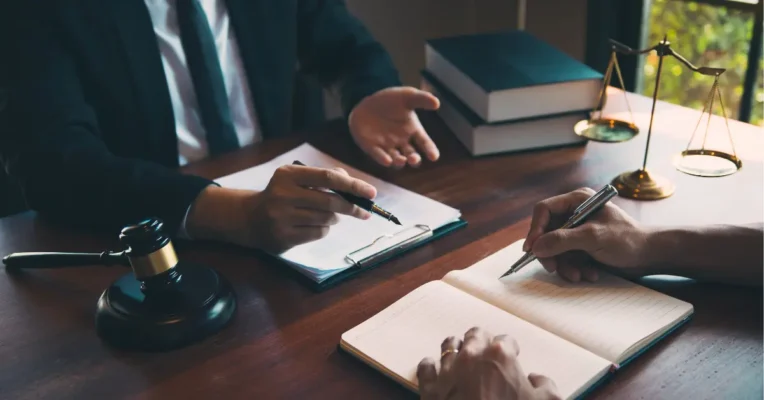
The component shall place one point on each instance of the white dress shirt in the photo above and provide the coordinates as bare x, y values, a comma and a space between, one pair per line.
192, 145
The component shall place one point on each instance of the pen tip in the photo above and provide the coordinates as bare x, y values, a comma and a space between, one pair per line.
395, 220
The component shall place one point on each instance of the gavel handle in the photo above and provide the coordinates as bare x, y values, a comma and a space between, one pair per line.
63, 260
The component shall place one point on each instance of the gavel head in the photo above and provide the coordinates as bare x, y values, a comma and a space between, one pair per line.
150, 251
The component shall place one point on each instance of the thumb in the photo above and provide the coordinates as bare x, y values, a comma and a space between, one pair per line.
414, 98
563, 240
543, 383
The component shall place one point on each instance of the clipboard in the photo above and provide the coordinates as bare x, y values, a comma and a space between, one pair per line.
383, 249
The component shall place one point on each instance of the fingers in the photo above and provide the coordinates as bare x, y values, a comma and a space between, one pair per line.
329, 179
544, 385
406, 153
484, 361
412, 157
554, 206
396, 157
399, 161
449, 350
327, 202
475, 340
414, 98
503, 346
584, 238
577, 266
569, 272
589, 274
549, 263
307, 217
426, 145
427, 375
380, 156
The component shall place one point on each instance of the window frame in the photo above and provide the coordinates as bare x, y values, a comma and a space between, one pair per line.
754, 52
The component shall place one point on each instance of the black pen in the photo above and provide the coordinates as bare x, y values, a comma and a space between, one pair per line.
366, 204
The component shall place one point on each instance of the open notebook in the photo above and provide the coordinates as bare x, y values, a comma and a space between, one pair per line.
575, 333
353, 242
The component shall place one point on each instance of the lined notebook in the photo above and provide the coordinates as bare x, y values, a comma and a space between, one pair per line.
574, 333
351, 239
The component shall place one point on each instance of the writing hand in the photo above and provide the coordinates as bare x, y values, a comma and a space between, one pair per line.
609, 236
385, 126
292, 210
484, 368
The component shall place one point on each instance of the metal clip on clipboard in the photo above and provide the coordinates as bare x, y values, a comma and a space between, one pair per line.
381, 249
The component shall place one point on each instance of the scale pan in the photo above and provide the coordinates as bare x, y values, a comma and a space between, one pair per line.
606, 130
707, 163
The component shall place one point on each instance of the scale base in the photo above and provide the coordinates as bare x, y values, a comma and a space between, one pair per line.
183, 311
641, 185
606, 130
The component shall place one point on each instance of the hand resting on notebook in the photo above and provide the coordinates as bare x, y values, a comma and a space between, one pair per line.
481, 367
290, 211
613, 240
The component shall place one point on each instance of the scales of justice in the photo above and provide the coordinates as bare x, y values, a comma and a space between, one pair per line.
642, 184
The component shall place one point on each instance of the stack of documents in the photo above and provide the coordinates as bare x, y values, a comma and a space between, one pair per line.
351, 240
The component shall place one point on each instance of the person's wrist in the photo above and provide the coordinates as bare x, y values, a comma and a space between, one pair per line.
218, 214
660, 246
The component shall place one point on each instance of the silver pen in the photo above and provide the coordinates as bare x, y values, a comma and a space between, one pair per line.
591, 205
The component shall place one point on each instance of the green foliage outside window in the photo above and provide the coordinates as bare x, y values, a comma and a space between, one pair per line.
707, 35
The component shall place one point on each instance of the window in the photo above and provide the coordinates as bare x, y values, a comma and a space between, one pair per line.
716, 33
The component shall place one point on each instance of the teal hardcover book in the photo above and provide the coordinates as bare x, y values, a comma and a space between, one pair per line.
576, 333
512, 75
481, 138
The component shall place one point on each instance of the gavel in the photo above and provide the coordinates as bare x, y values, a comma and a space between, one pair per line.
163, 304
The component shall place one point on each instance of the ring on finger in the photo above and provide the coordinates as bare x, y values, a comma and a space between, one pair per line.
448, 351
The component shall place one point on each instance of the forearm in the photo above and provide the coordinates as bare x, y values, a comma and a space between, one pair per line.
219, 214
84, 185
721, 253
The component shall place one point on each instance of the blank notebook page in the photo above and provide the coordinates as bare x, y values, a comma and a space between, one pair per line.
328, 254
607, 317
412, 328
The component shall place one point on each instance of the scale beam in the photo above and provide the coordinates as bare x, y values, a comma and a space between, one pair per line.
641, 184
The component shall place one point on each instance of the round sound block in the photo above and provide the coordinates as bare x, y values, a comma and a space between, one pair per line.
173, 311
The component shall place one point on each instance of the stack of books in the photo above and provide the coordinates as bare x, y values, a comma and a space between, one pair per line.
509, 91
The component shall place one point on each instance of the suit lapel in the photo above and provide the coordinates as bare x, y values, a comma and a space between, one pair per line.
149, 84
258, 28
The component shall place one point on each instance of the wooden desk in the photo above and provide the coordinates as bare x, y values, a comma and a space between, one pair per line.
283, 343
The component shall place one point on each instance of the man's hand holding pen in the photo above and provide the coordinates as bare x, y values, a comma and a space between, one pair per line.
290, 211
609, 237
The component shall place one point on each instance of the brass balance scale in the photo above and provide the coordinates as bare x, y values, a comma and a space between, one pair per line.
642, 184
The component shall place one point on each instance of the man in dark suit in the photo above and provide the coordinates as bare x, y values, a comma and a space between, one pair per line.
109, 97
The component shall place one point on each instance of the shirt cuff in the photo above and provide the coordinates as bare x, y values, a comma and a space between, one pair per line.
182, 232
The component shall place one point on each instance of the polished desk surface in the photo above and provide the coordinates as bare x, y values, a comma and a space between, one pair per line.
283, 342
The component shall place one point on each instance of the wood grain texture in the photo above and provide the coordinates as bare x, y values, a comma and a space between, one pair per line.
283, 343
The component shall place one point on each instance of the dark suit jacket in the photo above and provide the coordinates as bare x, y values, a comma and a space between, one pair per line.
93, 139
